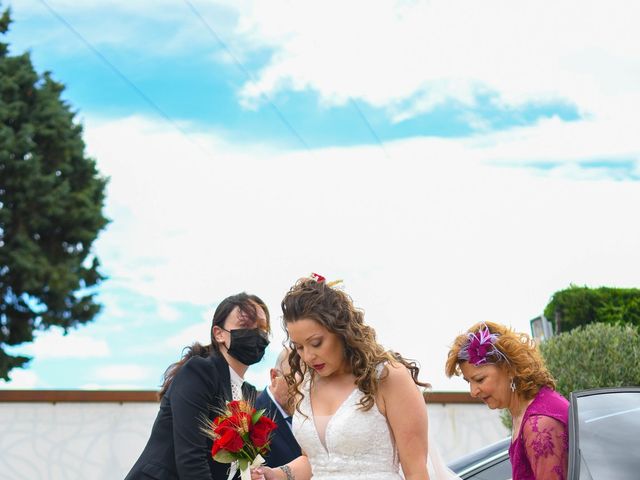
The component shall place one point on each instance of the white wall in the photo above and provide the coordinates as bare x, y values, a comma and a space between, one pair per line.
458, 429
101, 441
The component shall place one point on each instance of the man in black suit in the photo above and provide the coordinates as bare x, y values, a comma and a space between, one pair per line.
273, 399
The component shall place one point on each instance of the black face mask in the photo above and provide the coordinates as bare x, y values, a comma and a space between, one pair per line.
247, 344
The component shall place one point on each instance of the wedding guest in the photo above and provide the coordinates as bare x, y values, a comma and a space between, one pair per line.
358, 413
505, 370
275, 400
197, 386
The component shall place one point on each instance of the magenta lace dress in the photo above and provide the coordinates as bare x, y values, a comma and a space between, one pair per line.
541, 448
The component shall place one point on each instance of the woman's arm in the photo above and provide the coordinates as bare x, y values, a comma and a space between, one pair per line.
300, 469
546, 446
192, 392
403, 405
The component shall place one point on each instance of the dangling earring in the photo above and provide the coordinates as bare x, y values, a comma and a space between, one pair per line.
513, 385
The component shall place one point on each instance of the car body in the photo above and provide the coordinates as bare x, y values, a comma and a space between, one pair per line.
489, 463
604, 444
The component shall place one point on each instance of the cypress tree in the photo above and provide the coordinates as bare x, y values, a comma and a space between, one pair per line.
51, 200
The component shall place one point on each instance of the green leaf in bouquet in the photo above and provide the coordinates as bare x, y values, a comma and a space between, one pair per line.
243, 464
224, 457
256, 416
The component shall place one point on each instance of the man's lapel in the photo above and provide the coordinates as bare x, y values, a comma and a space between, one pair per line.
249, 393
283, 427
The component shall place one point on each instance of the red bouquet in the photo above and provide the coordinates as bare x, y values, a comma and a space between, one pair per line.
241, 433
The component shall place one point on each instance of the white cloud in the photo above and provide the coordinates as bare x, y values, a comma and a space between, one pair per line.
198, 332
123, 373
555, 140
404, 56
53, 344
167, 312
20, 379
386, 52
428, 242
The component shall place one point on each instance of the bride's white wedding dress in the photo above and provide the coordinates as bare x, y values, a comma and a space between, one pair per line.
357, 444
352, 444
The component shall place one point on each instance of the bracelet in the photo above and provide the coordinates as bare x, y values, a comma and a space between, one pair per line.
287, 471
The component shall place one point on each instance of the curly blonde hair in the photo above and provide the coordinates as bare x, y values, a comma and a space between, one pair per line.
334, 310
523, 360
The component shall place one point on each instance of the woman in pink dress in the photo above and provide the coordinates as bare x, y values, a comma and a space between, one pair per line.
504, 369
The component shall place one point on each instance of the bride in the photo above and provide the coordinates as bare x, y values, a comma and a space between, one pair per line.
357, 410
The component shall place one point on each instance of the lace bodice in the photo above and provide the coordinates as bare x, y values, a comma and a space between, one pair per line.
359, 444
540, 450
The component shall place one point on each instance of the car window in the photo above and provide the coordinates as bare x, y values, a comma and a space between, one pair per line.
608, 427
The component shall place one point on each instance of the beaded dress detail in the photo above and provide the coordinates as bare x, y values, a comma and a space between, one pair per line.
359, 444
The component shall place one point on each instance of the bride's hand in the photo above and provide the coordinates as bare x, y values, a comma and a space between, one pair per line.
257, 474
264, 473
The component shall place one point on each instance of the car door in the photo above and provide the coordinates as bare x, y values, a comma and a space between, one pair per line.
604, 434
489, 463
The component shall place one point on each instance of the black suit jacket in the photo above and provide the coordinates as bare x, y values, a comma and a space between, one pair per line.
284, 447
177, 449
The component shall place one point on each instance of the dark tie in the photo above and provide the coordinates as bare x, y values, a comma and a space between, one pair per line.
288, 419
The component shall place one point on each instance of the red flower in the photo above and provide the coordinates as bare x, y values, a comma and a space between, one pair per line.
229, 440
261, 431
240, 422
236, 437
237, 406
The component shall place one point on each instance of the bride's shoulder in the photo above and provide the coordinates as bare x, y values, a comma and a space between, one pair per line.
391, 374
395, 387
391, 369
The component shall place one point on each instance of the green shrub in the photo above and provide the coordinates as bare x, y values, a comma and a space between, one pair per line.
506, 419
595, 355
577, 306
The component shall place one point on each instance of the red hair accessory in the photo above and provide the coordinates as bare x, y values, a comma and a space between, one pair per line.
318, 278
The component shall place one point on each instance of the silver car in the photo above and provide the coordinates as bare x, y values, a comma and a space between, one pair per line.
604, 440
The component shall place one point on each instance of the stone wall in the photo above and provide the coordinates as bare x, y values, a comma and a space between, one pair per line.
71, 440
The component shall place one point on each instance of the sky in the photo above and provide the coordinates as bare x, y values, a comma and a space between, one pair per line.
451, 161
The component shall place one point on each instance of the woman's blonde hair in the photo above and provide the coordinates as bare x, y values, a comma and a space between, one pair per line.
334, 310
522, 359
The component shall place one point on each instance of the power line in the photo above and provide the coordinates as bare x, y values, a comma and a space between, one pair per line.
238, 63
248, 74
370, 127
265, 98
123, 77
